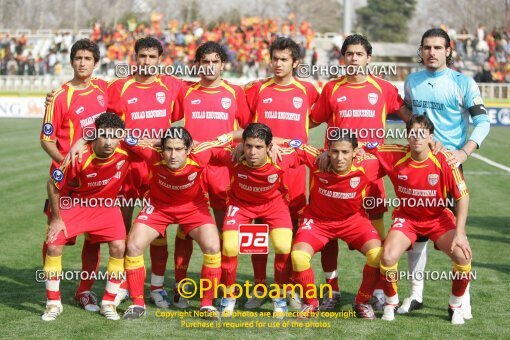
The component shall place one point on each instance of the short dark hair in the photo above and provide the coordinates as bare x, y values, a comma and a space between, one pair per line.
439, 33
260, 131
423, 120
85, 44
208, 48
344, 135
357, 39
286, 44
177, 132
148, 42
109, 120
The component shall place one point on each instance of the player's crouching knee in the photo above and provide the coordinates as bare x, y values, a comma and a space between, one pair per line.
117, 248
300, 260
389, 257
282, 240
230, 243
459, 258
374, 257
133, 249
211, 247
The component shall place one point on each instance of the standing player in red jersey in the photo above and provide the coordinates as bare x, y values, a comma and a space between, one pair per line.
359, 102
336, 211
74, 106
257, 190
423, 182
284, 104
177, 197
209, 108
145, 102
100, 176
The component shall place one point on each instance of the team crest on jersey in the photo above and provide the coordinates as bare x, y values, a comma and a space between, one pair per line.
57, 175
47, 129
272, 178
80, 110
100, 100
372, 98
192, 176
354, 182
298, 102
120, 164
267, 100
226, 102
130, 140
160, 97
295, 143
371, 145
433, 179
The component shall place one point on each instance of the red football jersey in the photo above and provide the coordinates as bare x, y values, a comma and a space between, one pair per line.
211, 112
257, 185
147, 107
183, 186
424, 185
358, 106
333, 196
285, 109
94, 177
70, 111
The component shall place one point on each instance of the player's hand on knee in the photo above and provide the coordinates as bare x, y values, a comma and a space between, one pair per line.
56, 226
461, 241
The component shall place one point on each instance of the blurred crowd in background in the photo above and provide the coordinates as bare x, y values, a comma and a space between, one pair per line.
485, 52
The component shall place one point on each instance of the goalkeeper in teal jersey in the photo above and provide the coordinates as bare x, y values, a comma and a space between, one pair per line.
448, 98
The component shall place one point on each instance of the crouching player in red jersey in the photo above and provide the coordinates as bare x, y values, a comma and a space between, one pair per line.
335, 212
257, 190
222, 107
177, 197
99, 177
420, 177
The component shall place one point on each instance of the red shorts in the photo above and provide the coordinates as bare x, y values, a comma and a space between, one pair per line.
188, 216
136, 183
216, 180
274, 213
355, 231
295, 181
102, 224
376, 190
433, 228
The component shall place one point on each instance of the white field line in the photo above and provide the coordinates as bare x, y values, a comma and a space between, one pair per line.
490, 162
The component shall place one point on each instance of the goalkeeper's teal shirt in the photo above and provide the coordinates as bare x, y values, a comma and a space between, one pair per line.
448, 98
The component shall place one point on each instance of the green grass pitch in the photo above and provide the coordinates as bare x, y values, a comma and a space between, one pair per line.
23, 174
